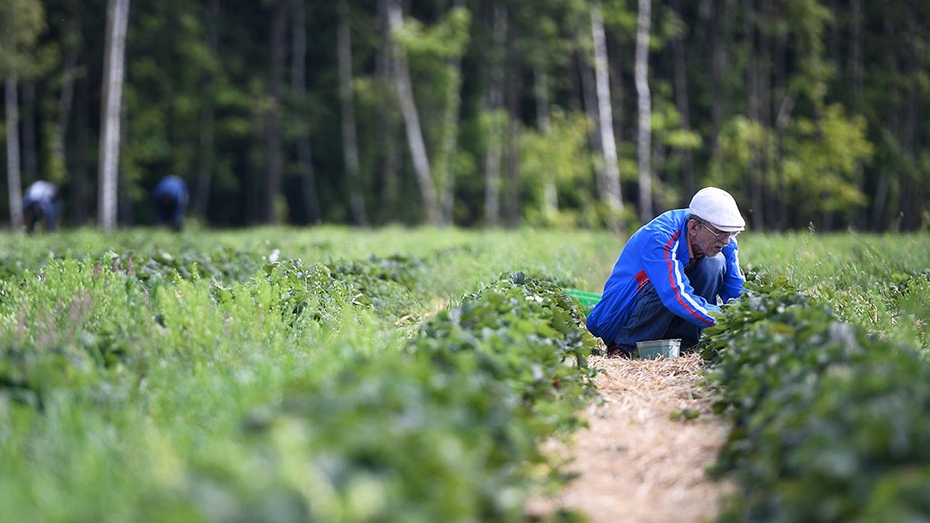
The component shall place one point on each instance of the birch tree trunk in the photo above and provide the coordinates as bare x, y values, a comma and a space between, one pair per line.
550, 203
388, 152
14, 184
412, 119
445, 162
495, 102
114, 62
273, 118
299, 88
512, 194
589, 98
27, 120
644, 137
612, 195
347, 101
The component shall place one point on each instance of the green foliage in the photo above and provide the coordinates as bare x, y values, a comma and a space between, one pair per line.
240, 382
820, 161
383, 284
447, 39
560, 159
829, 422
525, 332
59, 331
21, 23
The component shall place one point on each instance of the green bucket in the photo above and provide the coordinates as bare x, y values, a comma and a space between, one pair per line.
587, 299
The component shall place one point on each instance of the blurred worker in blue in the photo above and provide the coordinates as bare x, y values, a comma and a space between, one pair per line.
672, 274
170, 199
40, 203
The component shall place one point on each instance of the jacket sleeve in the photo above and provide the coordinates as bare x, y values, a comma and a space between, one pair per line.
667, 275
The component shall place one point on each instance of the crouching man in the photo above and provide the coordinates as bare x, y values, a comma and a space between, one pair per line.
40, 204
170, 199
672, 274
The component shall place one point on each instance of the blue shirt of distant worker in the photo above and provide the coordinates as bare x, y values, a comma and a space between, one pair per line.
170, 198
40, 203
672, 274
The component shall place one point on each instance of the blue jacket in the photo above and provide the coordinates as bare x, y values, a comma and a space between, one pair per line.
657, 253
172, 186
170, 198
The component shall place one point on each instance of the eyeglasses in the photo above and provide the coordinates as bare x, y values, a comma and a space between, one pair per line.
720, 235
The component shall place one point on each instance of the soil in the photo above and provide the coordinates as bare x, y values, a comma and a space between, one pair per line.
640, 460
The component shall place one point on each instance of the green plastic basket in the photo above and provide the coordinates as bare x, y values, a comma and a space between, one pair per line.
587, 299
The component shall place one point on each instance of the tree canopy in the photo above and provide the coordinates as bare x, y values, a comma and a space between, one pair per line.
811, 112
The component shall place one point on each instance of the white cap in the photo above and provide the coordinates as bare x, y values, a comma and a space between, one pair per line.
718, 208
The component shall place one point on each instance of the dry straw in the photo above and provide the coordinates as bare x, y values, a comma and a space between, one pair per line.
641, 460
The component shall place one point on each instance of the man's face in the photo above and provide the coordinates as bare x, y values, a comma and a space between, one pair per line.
706, 239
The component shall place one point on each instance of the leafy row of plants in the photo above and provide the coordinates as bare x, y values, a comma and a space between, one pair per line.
446, 430
61, 330
148, 263
831, 423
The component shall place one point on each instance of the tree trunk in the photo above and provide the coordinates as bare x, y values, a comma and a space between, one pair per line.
273, 129
550, 203
28, 129
645, 110
512, 194
492, 163
388, 157
81, 150
765, 107
59, 161
347, 101
412, 120
855, 51
114, 62
879, 202
445, 161
752, 112
589, 99
12, 147
612, 196
911, 201
717, 58
299, 88
684, 113
785, 103
201, 196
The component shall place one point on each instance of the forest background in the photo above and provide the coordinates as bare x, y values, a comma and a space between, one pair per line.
472, 113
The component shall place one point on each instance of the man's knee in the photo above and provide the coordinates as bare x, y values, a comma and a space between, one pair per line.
714, 264
707, 277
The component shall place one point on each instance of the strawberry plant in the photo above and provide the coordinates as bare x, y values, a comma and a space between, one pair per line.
829, 422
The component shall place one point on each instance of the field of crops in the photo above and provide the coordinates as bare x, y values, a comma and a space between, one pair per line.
408, 375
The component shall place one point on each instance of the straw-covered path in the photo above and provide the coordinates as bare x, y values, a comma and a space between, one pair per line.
640, 461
